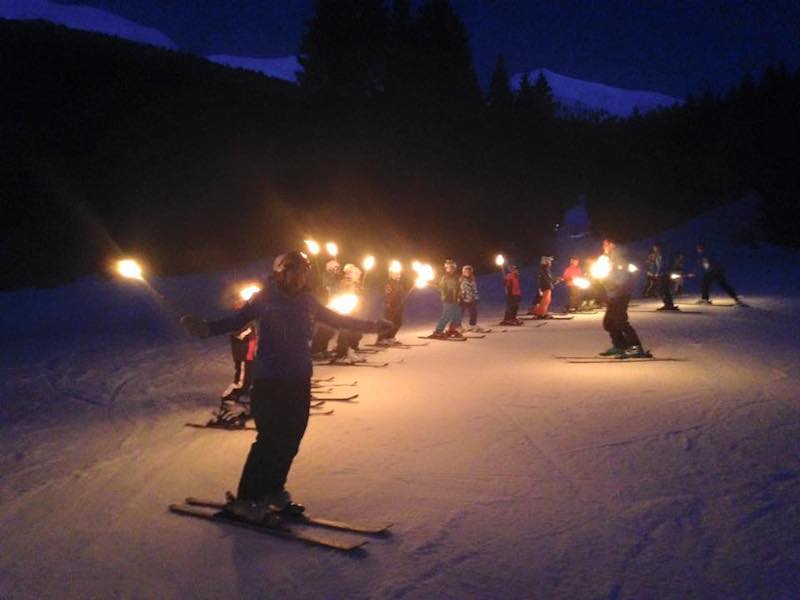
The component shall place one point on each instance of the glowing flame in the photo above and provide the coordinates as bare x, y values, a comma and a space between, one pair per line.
674, 275
130, 269
425, 275
416, 266
582, 283
632, 268
368, 263
601, 267
499, 260
332, 249
248, 291
395, 267
312, 246
343, 304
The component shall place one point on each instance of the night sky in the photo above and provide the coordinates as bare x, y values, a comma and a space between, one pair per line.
673, 47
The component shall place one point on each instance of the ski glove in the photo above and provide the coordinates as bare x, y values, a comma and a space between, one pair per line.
195, 327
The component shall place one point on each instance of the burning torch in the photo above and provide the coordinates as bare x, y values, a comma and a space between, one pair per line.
128, 268
368, 263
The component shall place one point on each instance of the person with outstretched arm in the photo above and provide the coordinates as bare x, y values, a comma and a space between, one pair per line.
713, 273
285, 310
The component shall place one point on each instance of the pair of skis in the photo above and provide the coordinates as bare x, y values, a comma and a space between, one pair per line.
217, 511
581, 360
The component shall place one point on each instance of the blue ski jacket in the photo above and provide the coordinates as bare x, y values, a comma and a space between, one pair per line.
286, 325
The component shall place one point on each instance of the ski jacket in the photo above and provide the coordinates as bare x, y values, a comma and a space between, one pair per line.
708, 262
653, 264
468, 290
571, 273
618, 283
393, 294
448, 287
285, 330
512, 284
545, 278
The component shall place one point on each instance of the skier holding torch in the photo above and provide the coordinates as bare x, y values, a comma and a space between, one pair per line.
282, 389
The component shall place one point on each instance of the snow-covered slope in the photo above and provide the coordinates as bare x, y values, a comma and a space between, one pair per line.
584, 97
84, 18
508, 473
285, 67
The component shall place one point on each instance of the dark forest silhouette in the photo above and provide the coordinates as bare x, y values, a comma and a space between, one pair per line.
109, 146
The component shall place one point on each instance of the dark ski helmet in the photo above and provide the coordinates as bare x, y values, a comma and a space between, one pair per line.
290, 260
450, 263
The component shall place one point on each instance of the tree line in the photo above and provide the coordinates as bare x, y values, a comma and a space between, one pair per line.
388, 141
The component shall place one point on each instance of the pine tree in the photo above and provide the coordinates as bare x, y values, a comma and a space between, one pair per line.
500, 96
544, 105
342, 51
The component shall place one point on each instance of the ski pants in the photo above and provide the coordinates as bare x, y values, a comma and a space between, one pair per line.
651, 288
666, 290
451, 313
718, 276
395, 315
321, 339
616, 323
574, 298
280, 409
345, 340
541, 309
512, 307
472, 309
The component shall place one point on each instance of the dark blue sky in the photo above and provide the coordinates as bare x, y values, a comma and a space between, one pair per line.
674, 47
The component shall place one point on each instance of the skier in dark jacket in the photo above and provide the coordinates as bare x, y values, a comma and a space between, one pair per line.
713, 272
545, 283
618, 288
281, 392
394, 296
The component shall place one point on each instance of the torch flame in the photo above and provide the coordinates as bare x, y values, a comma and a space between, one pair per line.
343, 304
601, 267
312, 246
674, 275
248, 291
499, 260
395, 267
369, 262
425, 275
416, 266
332, 249
582, 283
130, 269
632, 268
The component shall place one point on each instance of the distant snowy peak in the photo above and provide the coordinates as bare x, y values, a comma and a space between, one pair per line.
84, 18
285, 67
586, 97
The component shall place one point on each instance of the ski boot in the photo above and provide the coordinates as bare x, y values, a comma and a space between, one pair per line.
254, 512
636, 352
668, 307
455, 334
703, 301
613, 351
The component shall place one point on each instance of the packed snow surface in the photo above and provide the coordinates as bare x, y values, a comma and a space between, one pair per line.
507, 472
284, 67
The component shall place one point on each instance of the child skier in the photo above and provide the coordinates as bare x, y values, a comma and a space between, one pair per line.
513, 291
394, 295
323, 334
281, 392
451, 311
574, 293
468, 296
626, 343
545, 283
347, 341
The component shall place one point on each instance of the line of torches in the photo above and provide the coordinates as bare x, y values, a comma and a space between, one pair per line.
346, 303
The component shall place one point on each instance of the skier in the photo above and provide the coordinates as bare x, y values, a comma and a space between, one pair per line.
451, 311
677, 272
626, 343
653, 270
513, 295
323, 334
347, 341
234, 410
665, 286
394, 296
545, 283
574, 293
468, 296
282, 386
713, 272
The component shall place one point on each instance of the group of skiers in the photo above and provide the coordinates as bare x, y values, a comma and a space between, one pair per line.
276, 331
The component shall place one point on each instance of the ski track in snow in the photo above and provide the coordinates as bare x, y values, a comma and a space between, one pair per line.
507, 473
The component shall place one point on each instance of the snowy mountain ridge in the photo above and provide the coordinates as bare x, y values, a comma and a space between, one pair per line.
84, 18
283, 67
581, 97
